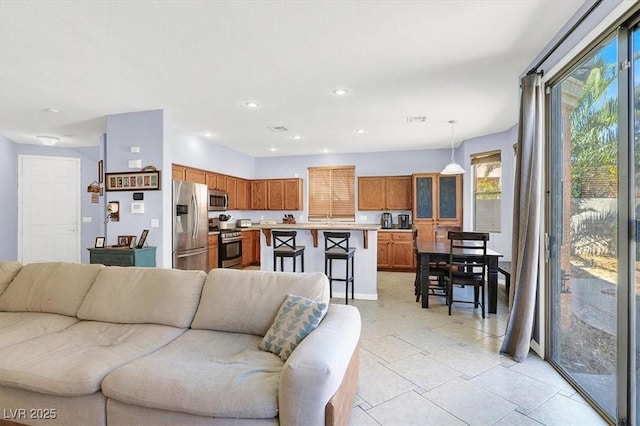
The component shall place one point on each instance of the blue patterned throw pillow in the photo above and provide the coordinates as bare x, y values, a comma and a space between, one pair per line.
297, 317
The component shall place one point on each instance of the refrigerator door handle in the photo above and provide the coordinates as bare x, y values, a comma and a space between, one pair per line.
191, 254
194, 232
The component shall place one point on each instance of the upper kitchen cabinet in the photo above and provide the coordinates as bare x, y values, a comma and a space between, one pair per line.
384, 193
243, 197
284, 194
178, 172
216, 181
276, 194
232, 185
258, 195
195, 175
437, 200
293, 194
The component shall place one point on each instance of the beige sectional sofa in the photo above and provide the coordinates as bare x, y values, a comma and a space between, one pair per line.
94, 345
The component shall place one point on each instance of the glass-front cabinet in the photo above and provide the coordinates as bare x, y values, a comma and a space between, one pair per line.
437, 201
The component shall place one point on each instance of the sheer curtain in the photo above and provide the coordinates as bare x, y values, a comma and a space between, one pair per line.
526, 221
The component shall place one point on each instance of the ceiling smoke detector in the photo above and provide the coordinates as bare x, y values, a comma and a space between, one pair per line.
417, 119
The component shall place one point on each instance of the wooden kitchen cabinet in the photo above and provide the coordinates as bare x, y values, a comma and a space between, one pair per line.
398, 193
437, 200
195, 175
232, 185
178, 172
258, 195
293, 194
243, 197
247, 248
256, 247
275, 194
384, 193
384, 250
371, 193
395, 251
250, 248
213, 251
211, 180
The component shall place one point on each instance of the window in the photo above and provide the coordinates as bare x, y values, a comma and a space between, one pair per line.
332, 193
487, 191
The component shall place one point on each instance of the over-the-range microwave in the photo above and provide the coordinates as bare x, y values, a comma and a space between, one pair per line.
218, 200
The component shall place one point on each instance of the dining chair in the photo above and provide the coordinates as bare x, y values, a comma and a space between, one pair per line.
440, 232
467, 265
437, 273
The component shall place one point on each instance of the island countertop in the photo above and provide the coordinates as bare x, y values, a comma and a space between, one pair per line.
314, 227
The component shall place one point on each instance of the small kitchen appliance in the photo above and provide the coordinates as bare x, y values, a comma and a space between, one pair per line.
386, 221
243, 223
403, 221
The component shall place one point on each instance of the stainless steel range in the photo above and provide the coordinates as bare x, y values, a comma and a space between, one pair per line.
230, 249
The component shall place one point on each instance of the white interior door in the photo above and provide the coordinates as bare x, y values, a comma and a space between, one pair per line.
48, 209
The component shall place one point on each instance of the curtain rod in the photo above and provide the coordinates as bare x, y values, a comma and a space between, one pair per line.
564, 37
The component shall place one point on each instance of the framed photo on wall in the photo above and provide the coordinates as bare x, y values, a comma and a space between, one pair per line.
132, 181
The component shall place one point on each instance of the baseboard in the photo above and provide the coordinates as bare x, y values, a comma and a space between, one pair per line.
360, 296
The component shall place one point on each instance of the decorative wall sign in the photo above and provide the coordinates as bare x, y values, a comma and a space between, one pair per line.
132, 181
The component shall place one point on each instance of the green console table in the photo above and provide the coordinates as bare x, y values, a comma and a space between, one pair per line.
145, 256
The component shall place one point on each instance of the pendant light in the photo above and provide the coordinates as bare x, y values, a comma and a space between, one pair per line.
452, 168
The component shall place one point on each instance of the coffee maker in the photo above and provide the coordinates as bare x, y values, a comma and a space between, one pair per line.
403, 221
386, 221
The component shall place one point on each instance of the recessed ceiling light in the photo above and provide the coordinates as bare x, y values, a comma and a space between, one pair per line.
52, 110
296, 137
326, 150
251, 104
207, 134
360, 131
48, 140
340, 92
273, 149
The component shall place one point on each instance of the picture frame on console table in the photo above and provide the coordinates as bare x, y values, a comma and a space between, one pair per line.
132, 181
143, 238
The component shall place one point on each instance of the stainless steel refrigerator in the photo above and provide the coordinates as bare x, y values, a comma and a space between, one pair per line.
190, 226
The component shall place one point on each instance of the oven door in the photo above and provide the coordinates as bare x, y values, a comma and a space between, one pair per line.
231, 254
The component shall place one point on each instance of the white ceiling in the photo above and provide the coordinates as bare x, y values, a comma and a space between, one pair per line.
202, 60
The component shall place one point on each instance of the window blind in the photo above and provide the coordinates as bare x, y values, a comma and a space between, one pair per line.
332, 193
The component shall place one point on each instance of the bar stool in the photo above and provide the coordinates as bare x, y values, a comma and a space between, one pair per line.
284, 245
336, 247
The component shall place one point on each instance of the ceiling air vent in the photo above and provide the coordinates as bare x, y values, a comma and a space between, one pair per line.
278, 129
417, 119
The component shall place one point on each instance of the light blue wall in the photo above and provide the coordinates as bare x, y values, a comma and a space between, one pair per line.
8, 200
146, 131
9, 154
367, 164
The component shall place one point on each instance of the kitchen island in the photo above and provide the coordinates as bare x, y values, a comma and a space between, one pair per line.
364, 237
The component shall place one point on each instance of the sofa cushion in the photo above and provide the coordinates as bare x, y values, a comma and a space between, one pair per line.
144, 295
76, 360
8, 270
248, 301
207, 373
297, 317
54, 287
18, 327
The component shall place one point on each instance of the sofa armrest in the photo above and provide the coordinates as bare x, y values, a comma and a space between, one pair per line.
314, 371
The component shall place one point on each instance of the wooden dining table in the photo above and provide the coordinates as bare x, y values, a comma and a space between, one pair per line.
430, 251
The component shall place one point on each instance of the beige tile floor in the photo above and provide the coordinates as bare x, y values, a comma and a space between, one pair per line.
424, 367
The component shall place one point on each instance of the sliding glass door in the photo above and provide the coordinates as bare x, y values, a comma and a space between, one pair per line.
593, 207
